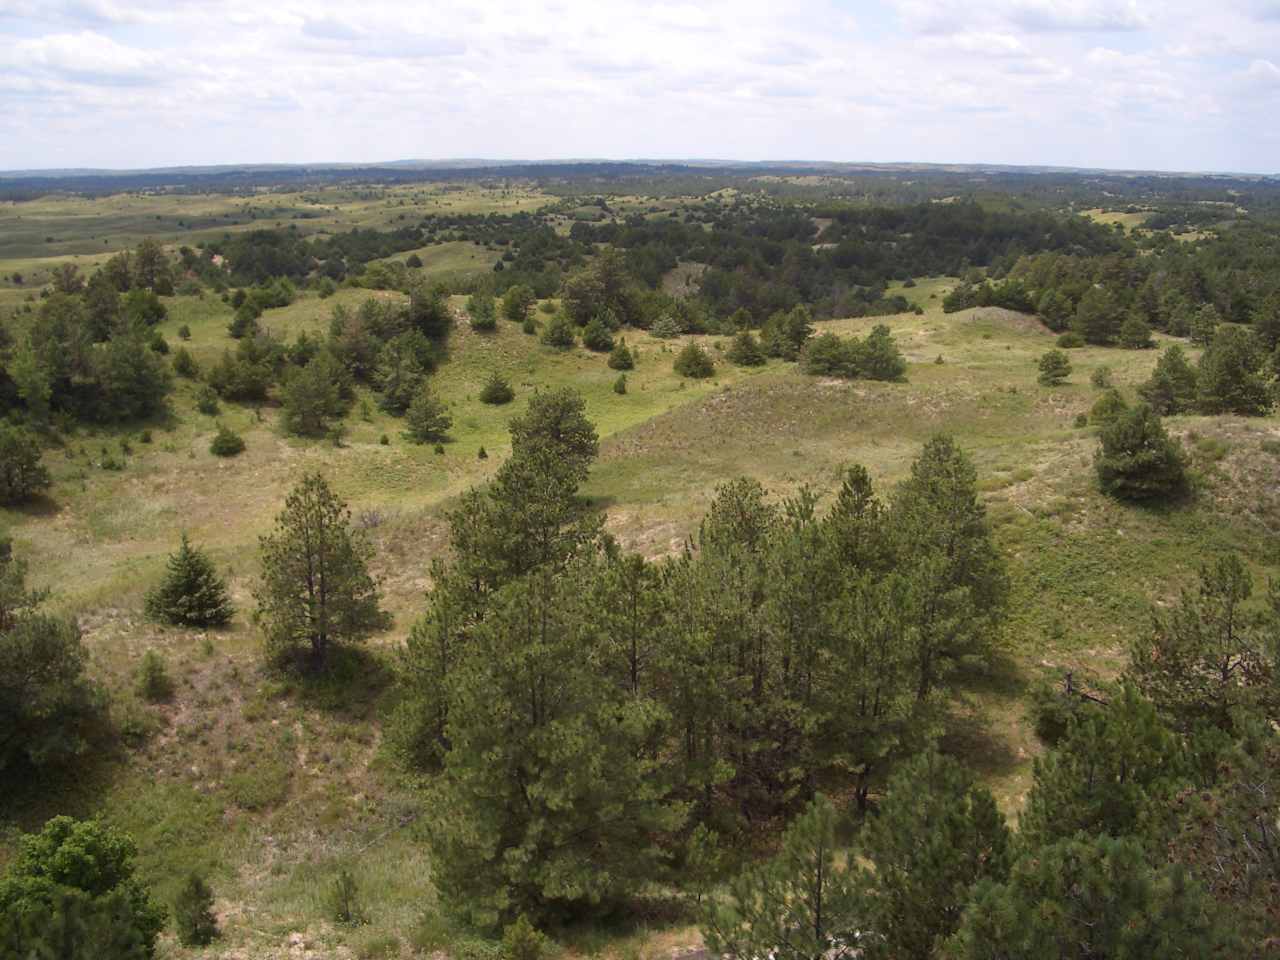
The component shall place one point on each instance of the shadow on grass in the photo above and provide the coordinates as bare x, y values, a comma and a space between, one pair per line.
351, 682
971, 735
37, 505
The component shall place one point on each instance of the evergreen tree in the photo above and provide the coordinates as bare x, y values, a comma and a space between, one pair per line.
938, 835
1089, 898
1137, 459
517, 303
316, 590
784, 334
1098, 317
403, 363
1109, 405
1135, 333
22, 475
620, 357
694, 362
226, 442
191, 593
132, 380
427, 420
552, 793
496, 390
1230, 378
878, 357
1054, 368
556, 420
313, 397
193, 913
800, 905
1204, 324
1266, 323
745, 350
596, 336
1172, 386
559, 333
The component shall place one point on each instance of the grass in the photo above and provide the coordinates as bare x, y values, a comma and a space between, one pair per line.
272, 788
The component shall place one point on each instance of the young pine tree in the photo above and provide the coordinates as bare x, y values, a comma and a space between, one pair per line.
1137, 459
191, 593
427, 420
315, 590
1171, 388
1054, 368
620, 357
193, 913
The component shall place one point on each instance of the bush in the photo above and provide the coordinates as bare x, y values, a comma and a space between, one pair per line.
1229, 378
154, 684
620, 385
427, 419
559, 333
529, 326
523, 941
1101, 377
343, 901
1054, 368
877, 357
497, 390
413, 261
1135, 334
1070, 340
1171, 388
157, 343
207, 401
22, 475
596, 336
694, 362
745, 350
517, 303
226, 442
184, 365
1107, 407
482, 454
184, 332
193, 913
620, 357
191, 594
1137, 459
827, 355
482, 311
666, 328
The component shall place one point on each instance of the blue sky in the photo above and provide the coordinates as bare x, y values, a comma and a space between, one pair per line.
1174, 85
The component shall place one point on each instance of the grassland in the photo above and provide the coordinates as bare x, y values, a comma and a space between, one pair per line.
275, 787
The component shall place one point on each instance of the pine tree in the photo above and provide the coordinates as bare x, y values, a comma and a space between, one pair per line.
316, 590
1054, 368
1229, 378
1098, 317
694, 362
620, 357
497, 390
1137, 459
191, 593
22, 475
1171, 388
1135, 333
938, 834
427, 420
596, 336
745, 350
878, 357
800, 905
193, 913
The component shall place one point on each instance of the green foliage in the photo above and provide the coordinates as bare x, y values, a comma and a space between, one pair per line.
523, 941
667, 328
596, 336
692, 361
22, 475
1137, 459
343, 904
559, 332
226, 442
47, 704
313, 397
620, 385
1109, 405
620, 357
315, 589
184, 365
1173, 384
1204, 324
153, 683
745, 350
1101, 377
1054, 368
483, 311
800, 905
207, 401
1086, 898
1135, 333
1230, 377
784, 334
1098, 317
71, 890
1069, 340
427, 420
191, 593
879, 357
1211, 656
938, 835
132, 380
403, 363
193, 913
517, 303
497, 390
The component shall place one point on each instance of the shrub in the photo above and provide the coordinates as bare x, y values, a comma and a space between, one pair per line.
523, 941
497, 390
694, 362
1070, 340
191, 593
1107, 407
1135, 334
158, 343
877, 357
427, 418
226, 442
1229, 378
1172, 386
193, 913
1101, 377
666, 328
596, 336
620, 385
529, 326
1081, 420
413, 261
153, 684
482, 311
827, 355
1054, 368
745, 350
1137, 459
559, 333
482, 454
184, 365
620, 357
184, 332
207, 401
384, 440
22, 475
518, 303
343, 902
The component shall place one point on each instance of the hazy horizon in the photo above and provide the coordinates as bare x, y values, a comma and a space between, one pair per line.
1101, 84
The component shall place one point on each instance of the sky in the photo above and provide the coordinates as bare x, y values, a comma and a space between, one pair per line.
1133, 84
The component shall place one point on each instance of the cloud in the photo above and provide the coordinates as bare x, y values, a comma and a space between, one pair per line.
85, 56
